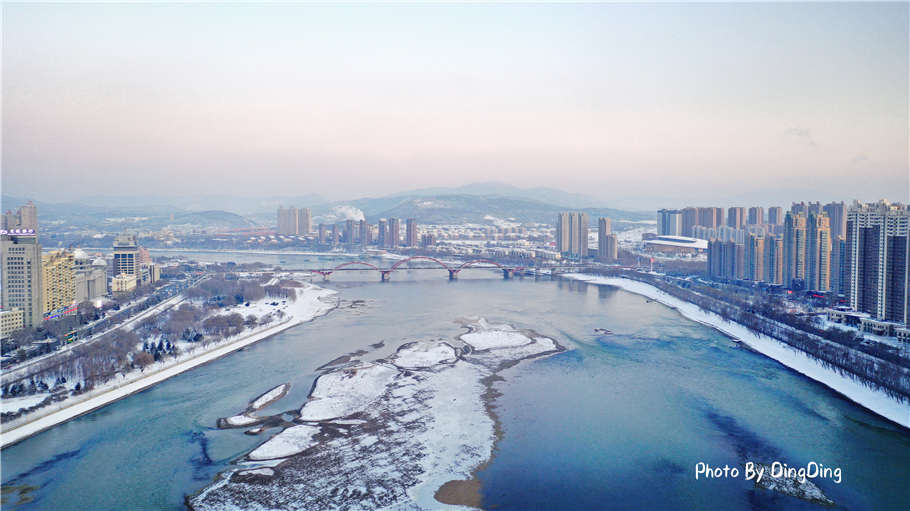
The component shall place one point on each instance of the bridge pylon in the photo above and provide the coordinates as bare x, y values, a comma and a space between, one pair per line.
453, 274
385, 275
507, 273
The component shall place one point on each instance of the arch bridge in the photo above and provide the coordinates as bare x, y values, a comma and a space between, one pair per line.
385, 273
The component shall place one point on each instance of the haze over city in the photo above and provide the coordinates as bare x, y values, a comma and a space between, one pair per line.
690, 103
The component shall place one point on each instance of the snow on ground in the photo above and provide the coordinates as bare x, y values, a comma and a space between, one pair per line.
289, 442
871, 399
242, 420
270, 396
14, 404
423, 355
342, 393
312, 301
494, 339
259, 472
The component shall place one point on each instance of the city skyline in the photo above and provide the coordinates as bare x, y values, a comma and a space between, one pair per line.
691, 103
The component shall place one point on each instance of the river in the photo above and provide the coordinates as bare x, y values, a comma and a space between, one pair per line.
616, 422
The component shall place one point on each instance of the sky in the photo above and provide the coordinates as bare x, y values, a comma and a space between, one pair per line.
691, 102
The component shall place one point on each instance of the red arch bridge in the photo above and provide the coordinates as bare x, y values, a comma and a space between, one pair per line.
386, 272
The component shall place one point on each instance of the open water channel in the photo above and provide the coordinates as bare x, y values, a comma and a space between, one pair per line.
616, 422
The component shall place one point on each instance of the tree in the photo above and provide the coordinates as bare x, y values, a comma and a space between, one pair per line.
143, 360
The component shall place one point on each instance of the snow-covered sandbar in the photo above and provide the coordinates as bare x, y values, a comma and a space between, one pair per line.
873, 400
385, 433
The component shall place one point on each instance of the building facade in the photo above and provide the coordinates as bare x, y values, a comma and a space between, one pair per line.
59, 281
411, 238
394, 233
877, 260
126, 256
572, 234
23, 272
794, 250
607, 245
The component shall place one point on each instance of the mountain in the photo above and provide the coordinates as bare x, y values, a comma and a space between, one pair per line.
133, 216
553, 196
458, 209
238, 205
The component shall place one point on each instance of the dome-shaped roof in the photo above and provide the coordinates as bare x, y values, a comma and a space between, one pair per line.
80, 254
99, 262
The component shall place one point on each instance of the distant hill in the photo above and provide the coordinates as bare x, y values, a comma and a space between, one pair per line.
457, 209
238, 205
151, 217
540, 193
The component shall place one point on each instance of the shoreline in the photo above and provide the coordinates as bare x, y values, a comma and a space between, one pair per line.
872, 400
308, 307
468, 492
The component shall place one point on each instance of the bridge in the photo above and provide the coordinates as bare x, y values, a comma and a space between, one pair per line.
385, 273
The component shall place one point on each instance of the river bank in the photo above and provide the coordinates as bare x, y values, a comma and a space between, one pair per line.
870, 399
308, 306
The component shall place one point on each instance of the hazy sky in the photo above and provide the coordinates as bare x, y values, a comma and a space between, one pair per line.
697, 100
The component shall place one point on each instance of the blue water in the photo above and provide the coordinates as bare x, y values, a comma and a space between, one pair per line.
617, 422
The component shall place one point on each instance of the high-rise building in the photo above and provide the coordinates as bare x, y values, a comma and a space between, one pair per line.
800, 207
411, 239
26, 218
726, 259
736, 217
607, 249
775, 215
59, 281
878, 247
335, 234
364, 233
382, 233
126, 256
293, 222
305, 222
20, 262
756, 216
754, 258
670, 222
572, 234
839, 264
394, 232
794, 251
837, 214
707, 218
320, 237
818, 252
562, 232
349, 232
774, 259
282, 221
690, 221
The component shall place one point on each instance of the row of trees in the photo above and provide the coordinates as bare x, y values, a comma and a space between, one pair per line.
226, 293
832, 348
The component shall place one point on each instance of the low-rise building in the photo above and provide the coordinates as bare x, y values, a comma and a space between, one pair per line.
11, 321
123, 283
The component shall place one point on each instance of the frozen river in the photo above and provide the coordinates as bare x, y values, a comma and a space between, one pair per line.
617, 421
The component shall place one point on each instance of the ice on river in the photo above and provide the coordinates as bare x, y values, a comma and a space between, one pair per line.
289, 442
